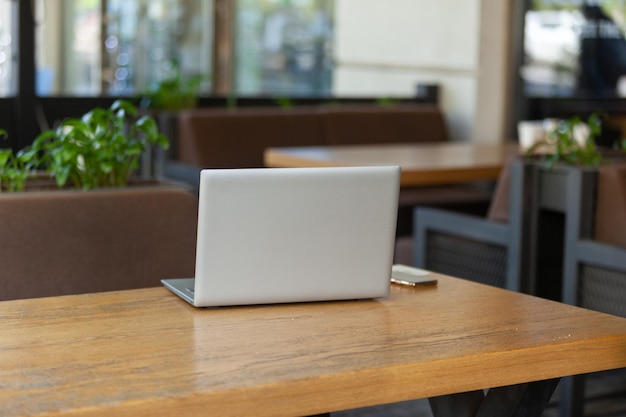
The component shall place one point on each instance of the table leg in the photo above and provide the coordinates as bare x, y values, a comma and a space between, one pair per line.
523, 400
465, 404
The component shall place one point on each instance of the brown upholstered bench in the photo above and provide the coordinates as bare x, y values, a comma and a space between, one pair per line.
237, 138
72, 242
355, 125
224, 138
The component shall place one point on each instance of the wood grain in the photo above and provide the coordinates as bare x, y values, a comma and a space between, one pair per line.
148, 353
422, 164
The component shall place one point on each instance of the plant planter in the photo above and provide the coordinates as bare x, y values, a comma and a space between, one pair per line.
555, 220
42, 181
555, 181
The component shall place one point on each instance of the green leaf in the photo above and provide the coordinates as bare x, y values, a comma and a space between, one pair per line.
135, 150
124, 105
61, 175
106, 167
162, 141
148, 126
5, 155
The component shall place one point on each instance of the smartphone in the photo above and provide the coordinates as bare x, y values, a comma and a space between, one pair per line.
411, 276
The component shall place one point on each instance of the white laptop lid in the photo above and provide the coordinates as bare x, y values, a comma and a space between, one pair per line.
295, 234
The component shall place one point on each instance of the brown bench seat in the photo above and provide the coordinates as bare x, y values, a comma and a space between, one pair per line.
237, 138
73, 242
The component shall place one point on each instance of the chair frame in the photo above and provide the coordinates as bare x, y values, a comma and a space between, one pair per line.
579, 246
580, 249
515, 235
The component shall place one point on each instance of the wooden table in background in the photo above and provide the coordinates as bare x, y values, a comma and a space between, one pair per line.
421, 163
148, 353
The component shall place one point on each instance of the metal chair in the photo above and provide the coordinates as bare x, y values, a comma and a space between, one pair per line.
495, 250
594, 255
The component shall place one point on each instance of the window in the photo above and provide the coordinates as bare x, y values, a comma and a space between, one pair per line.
284, 48
119, 47
7, 61
575, 48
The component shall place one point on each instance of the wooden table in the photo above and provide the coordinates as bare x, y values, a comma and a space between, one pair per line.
148, 353
421, 163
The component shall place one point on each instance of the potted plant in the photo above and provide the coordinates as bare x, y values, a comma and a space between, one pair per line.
572, 142
13, 172
566, 166
571, 146
174, 93
164, 100
85, 230
101, 149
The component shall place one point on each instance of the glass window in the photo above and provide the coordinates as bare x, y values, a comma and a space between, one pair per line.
120, 47
575, 48
284, 47
7, 59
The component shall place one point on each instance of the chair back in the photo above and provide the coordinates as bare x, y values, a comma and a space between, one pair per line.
610, 216
500, 202
485, 250
594, 270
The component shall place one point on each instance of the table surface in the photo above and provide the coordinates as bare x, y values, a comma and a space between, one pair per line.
421, 163
146, 352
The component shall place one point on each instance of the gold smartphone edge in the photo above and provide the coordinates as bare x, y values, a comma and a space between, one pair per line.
413, 284
402, 282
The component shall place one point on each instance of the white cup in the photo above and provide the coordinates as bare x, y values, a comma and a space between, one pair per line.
530, 132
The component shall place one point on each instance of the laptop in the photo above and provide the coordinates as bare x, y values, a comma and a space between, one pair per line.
284, 235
